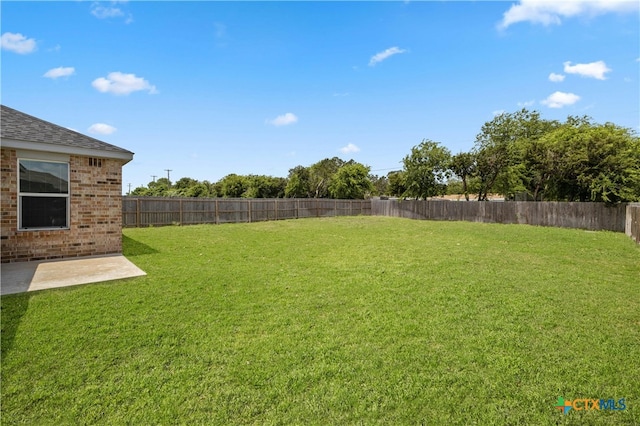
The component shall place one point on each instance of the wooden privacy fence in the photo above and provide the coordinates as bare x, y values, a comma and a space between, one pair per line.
159, 211
632, 224
591, 216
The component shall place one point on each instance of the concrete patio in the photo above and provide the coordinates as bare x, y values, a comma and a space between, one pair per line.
21, 277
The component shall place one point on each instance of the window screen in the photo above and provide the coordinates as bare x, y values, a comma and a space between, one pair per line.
44, 194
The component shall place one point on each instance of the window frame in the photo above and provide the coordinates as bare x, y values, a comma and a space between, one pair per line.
44, 195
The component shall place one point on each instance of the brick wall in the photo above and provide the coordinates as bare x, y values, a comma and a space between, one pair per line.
95, 225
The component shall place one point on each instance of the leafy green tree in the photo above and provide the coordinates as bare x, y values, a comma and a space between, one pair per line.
463, 165
494, 151
455, 187
140, 191
298, 183
183, 184
199, 189
321, 174
397, 185
541, 160
575, 160
380, 184
233, 186
426, 170
597, 162
159, 188
260, 186
211, 189
351, 181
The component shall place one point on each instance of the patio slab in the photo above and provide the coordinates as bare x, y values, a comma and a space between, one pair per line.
21, 277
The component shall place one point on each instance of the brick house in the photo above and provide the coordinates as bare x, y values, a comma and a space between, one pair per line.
61, 192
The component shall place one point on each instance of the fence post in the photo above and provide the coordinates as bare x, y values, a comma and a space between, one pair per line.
249, 209
217, 214
276, 209
137, 212
180, 217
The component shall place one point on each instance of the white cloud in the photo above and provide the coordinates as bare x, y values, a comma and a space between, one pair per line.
60, 72
101, 129
548, 12
526, 103
111, 11
556, 78
283, 120
381, 56
122, 84
593, 69
349, 149
497, 112
105, 12
560, 99
18, 43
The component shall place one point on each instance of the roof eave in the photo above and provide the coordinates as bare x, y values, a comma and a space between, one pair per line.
123, 155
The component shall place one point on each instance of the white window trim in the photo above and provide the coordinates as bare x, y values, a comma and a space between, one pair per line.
35, 194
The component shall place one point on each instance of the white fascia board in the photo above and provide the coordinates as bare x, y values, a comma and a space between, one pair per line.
63, 149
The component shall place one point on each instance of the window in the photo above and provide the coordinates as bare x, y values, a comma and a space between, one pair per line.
43, 194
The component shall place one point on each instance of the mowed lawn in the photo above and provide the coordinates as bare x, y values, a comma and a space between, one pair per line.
359, 320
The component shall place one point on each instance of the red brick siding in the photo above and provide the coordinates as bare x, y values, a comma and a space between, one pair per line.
95, 213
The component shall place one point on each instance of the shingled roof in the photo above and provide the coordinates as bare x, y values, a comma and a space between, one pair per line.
31, 132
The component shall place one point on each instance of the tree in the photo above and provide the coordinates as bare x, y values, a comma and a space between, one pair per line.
199, 189
233, 185
260, 186
426, 170
463, 165
140, 191
496, 150
320, 175
597, 162
397, 185
351, 181
183, 184
298, 184
380, 184
159, 188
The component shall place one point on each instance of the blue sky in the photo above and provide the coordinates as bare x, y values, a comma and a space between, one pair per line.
211, 88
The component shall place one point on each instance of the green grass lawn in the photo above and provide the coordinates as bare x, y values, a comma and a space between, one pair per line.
365, 320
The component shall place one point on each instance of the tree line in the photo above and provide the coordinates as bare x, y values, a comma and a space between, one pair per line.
518, 155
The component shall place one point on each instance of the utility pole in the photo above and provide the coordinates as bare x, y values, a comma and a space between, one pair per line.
154, 178
168, 175
129, 193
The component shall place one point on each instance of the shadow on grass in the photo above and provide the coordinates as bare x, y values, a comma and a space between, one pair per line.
13, 307
131, 247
